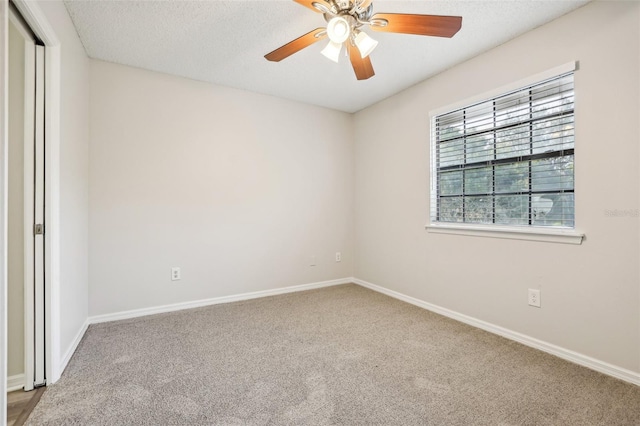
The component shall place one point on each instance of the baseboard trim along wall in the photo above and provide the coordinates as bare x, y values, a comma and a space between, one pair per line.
72, 348
187, 305
575, 357
15, 383
214, 301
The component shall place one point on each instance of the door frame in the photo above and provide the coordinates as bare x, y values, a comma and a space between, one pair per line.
43, 30
32, 351
4, 137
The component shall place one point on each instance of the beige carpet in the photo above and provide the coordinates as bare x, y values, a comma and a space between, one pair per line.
341, 355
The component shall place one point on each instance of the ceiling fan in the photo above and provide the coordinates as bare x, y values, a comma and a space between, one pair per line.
345, 18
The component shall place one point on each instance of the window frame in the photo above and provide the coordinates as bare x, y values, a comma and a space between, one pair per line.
525, 232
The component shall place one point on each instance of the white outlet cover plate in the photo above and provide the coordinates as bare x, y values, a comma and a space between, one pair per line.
534, 297
175, 274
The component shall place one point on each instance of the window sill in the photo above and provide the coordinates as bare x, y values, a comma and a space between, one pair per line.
513, 233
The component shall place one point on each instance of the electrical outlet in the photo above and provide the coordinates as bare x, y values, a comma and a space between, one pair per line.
175, 273
338, 257
312, 261
534, 297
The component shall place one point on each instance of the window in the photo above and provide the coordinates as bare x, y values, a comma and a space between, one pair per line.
508, 160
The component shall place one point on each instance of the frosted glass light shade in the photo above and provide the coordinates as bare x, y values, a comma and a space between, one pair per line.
332, 51
365, 44
338, 30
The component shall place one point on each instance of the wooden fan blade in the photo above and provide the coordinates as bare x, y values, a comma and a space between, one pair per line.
296, 45
428, 25
309, 4
361, 66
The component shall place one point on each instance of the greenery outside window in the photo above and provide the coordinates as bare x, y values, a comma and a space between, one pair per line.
507, 160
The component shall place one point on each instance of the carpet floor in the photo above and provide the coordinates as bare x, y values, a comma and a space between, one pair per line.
340, 355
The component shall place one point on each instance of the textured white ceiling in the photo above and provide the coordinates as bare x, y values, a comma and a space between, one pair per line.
224, 42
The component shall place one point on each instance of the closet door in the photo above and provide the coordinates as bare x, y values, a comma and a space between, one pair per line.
38, 223
27, 118
34, 278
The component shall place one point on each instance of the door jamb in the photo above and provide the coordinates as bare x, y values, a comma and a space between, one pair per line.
4, 137
39, 24
28, 193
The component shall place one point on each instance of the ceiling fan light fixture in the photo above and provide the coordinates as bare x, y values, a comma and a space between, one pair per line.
338, 29
332, 51
365, 44
345, 18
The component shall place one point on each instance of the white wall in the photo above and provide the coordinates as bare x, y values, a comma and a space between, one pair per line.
237, 189
73, 182
590, 293
15, 255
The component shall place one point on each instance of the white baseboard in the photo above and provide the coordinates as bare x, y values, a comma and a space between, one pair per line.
569, 355
180, 306
15, 383
72, 348
213, 301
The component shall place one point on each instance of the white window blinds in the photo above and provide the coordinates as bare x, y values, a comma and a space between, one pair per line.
508, 160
